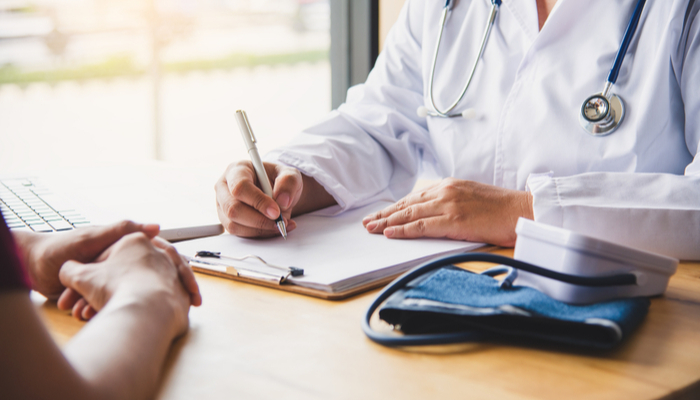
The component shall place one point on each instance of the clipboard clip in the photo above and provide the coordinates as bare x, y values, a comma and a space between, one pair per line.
201, 260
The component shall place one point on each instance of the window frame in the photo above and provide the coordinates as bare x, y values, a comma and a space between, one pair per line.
354, 44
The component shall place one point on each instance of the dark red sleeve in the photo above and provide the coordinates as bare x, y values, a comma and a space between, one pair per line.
12, 274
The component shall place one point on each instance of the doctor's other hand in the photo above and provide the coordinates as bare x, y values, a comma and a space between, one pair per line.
244, 210
135, 274
44, 254
455, 209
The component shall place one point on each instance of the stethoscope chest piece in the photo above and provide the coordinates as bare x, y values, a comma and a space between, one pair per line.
601, 115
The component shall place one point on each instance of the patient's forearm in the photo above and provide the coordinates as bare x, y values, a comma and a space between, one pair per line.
118, 355
121, 351
33, 366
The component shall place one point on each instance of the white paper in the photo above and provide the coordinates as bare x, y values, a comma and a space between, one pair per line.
336, 253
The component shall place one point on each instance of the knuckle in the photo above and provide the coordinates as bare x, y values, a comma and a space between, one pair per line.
138, 238
229, 209
238, 190
170, 250
261, 228
449, 184
260, 233
401, 204
259, 202
421, 227
409, 212
126, 226
241, 163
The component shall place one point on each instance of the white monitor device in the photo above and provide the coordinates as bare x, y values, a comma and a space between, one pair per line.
568, 252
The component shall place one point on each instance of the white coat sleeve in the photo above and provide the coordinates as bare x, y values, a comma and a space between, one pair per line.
371, 148
655, 212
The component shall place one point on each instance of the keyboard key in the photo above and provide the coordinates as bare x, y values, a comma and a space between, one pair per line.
57, 202
61, 225
17, 224
12, 203
22, 229
45, 211
81, 223
43, 227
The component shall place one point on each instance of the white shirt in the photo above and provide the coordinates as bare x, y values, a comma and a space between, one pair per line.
639, 186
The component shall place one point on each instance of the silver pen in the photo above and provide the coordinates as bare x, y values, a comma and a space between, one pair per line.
249, 140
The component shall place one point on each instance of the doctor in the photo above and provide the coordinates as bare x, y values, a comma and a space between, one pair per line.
523, 151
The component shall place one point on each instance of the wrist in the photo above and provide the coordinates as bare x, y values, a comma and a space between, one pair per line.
313, 197
25, 242
529, 206
28, 246
158, 309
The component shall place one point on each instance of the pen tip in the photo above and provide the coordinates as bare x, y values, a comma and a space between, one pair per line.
283, 229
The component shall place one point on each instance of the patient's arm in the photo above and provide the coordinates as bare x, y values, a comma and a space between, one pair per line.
119, 354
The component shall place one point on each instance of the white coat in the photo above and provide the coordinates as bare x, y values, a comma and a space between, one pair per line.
639, 186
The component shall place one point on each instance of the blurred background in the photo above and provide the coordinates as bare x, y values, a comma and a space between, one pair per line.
84, 81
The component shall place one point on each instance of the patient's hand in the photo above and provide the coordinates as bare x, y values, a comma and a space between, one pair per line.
455, 209
81, 308
135, 272
44, 254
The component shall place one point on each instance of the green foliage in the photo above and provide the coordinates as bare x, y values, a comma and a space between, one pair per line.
125, 66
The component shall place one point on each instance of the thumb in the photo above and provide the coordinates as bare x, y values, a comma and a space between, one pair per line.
74, 275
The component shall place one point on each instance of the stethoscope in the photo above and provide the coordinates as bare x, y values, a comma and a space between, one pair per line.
600, 113
507, 266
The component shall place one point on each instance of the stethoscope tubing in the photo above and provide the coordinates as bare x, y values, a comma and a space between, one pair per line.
460, 337
626, 40
484, 40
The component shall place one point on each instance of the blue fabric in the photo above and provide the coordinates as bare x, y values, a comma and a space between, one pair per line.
457, 287
550, 319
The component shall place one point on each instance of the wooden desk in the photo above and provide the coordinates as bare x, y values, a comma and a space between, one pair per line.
250, 342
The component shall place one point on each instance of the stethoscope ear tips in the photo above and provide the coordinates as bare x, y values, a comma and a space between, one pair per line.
422, 112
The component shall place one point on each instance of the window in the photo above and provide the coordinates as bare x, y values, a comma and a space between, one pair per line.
85, 81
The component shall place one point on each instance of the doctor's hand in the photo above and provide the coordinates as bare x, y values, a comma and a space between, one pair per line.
455, 209
244, 210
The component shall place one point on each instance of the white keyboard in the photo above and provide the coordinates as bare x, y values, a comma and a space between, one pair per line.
27, 206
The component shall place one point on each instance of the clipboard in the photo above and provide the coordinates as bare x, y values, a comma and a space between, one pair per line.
321, 294
277, 280
339, 257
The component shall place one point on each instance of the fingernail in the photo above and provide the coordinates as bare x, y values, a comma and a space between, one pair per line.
283, 200
371, 226
271, 212
389, 232
366, 219
149, 227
